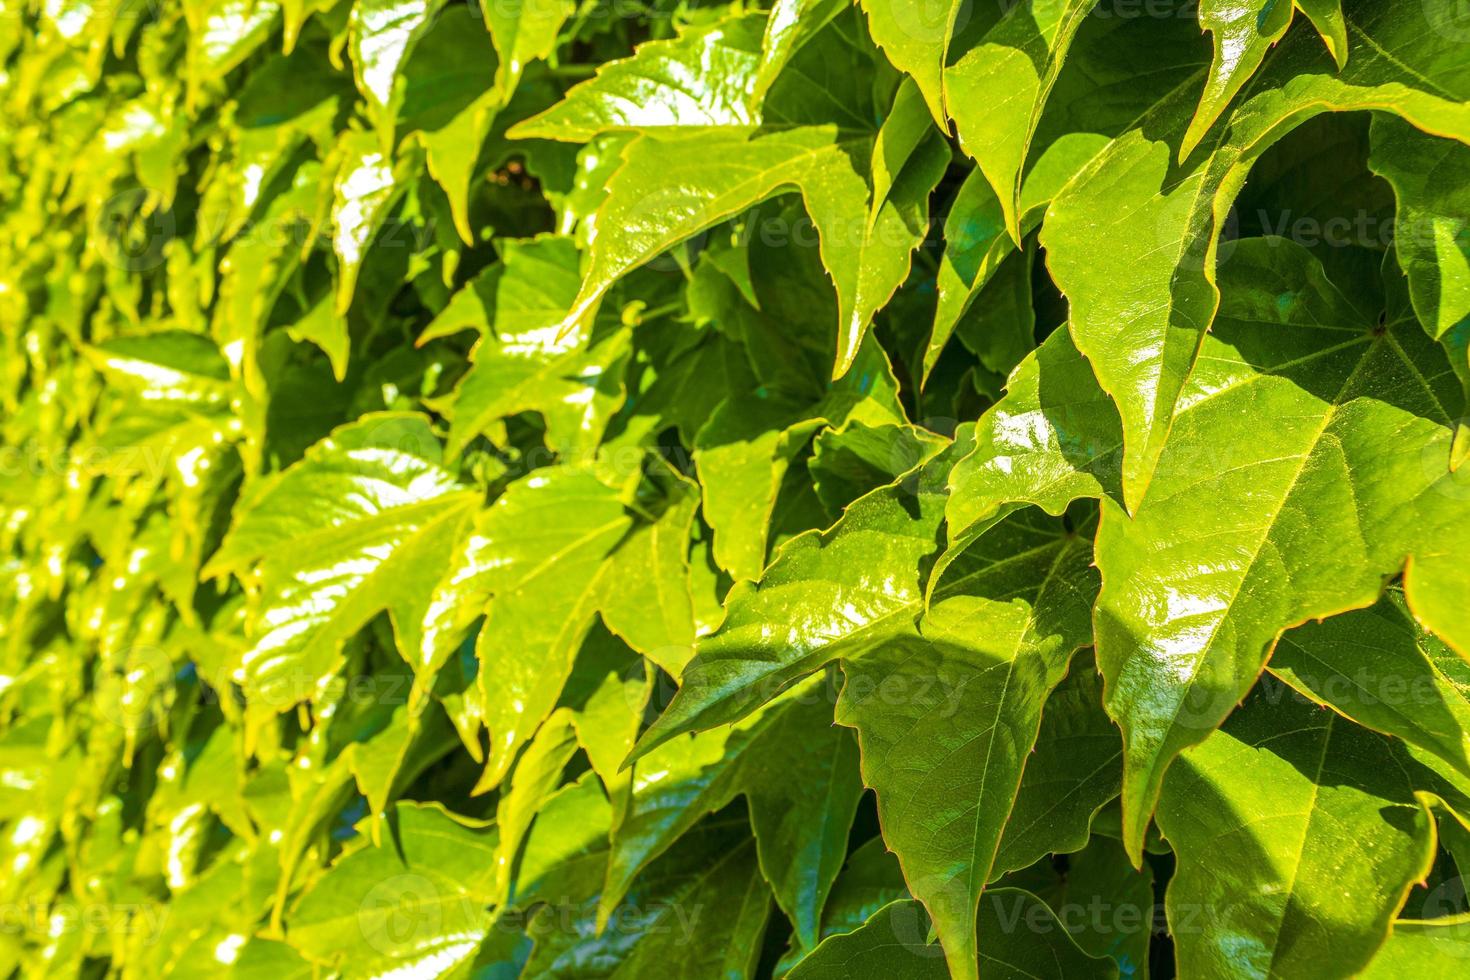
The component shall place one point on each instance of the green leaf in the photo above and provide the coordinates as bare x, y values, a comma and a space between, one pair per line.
554, 516
415, 903
671, 187
1382, 670
1000, 329
710, 883
1105, 906
744, 450
1053, 437
838, 593
1164, 218
1298, 836
449, 103
1433, 213
523, 31
849, 462
946, 720
575, 385
701, 78
364, 523
546, 572
997, 89
524, 294
975, 241
798, 772
536, 776
870, 879
652, 607
1423, 948
382, 35
791, 24
606, 694
1218, 561
1432, 236
1243, 34
226, 35
171, 367
363, 193
1074, 770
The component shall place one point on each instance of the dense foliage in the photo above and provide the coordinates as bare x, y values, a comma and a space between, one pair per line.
662, 488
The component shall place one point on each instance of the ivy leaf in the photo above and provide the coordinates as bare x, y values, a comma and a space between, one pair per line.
171, 367
791, 24
1194, 597
671, 187
361, 525
1074, 770
382, 35
997, 89
1381, 669
522, 295
711, 869
799, 774
1425, 948
226, 35
946, 720
1052, 438
533, 781
870, 880
1243, 34
858, 458
542, 605
1312, 835
449, 103
744, 450
523, 31
1001, 327
575, 385
701, 78
652, 606
561, 514
838, 593
1433, 236
432, 877
1166, 217
975, 241
363, 193
1119, 901
606, 694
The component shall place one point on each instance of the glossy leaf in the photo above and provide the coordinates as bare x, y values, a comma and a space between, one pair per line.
947, 719
1317, 835
1186, 620
1165, 217
363, 524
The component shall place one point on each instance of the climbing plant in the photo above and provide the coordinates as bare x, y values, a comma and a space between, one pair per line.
640, 488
